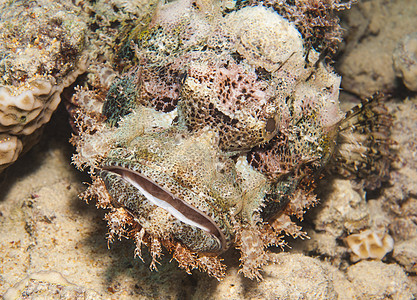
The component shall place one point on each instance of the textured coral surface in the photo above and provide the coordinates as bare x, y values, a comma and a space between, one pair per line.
53, 245
41, 53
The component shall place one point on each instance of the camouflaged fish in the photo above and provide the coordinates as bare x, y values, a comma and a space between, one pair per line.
215, 132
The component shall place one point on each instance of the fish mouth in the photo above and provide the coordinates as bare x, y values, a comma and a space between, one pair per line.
163, 198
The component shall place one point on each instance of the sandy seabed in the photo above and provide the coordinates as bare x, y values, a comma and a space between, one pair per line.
53, 245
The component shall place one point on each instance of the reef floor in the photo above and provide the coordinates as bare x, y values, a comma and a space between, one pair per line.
53, 245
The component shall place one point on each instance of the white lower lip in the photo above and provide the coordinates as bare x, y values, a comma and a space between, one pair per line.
163, 204
181, 210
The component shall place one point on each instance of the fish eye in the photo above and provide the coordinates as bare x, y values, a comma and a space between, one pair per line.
270, 125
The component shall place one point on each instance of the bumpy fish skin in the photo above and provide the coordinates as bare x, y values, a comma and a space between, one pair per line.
191, 168
213, 136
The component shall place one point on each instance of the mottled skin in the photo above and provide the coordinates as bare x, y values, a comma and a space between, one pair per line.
192, 168
217, 136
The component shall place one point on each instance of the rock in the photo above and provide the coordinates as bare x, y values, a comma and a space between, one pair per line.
405, 253
49, 285
294, 276
343, 209
376, 27
405, 60
377, 280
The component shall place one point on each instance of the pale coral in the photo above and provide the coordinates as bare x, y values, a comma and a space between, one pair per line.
374, 244
10, 148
